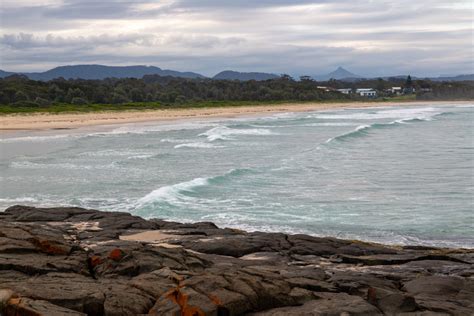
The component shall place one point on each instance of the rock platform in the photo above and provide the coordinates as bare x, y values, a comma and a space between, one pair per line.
74, 261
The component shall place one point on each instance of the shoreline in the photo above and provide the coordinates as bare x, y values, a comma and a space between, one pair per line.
49, 121
79, 261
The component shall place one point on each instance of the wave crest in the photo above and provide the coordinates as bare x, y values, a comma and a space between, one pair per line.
362, 130
226, 133
180, 192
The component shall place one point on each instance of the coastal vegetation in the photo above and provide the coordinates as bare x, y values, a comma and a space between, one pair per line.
18, 94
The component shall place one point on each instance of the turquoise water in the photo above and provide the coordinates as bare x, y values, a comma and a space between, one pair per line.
392, 175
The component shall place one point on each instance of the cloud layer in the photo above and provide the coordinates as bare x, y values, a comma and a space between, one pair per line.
375, 38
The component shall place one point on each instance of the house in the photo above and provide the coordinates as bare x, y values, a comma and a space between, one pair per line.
345, 91
396, 90
369, 93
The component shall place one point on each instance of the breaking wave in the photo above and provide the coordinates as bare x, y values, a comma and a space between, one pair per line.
182, 192
226, 133
362, 130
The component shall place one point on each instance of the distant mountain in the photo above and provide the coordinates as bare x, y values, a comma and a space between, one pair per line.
244, 76
4, 74
339, 73
454, 78
102, 72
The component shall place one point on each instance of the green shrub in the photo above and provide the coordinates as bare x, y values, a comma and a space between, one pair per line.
78, 101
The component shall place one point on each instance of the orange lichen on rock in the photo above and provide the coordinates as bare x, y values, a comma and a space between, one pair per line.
215, 299
371, 295
51, 247
181, 299
95, 261
116, 254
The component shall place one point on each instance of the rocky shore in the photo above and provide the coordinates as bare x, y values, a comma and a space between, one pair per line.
73, 261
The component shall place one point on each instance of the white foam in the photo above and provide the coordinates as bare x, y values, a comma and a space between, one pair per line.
19, 200
226, 133
38, 138
114, 153
64, 165
144, 156
144, 129
174, 140
197, 145
123, 130
422, 113
326, 124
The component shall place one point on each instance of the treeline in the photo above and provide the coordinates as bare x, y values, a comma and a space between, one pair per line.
19, 91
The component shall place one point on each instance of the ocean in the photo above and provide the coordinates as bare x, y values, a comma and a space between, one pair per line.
396, 175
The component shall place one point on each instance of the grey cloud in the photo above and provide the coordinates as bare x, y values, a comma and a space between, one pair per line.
296, 37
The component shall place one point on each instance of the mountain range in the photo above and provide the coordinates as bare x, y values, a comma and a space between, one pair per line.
101, 72
244, 76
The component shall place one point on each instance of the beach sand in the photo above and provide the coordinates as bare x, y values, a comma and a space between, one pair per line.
46, 121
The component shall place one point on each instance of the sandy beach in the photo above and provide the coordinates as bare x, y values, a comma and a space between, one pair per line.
46, 121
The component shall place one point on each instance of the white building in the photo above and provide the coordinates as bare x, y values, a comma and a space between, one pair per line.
327, 89
396, 90
369, 93
345, 91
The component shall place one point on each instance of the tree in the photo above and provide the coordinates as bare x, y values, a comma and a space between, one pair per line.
408, 85
20, 96
136, 95
74, 93
286, 77
306, 78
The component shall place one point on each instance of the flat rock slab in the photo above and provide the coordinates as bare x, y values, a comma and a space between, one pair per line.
74, 261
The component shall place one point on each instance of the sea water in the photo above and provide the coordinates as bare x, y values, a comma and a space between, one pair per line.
400, 175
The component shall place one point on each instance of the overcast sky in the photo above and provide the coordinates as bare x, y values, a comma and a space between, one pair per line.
368, 37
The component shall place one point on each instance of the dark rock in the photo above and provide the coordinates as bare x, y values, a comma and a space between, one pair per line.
27, 306
443, 285
73, 261
327, 304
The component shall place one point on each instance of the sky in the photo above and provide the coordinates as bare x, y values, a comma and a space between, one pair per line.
298, 37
